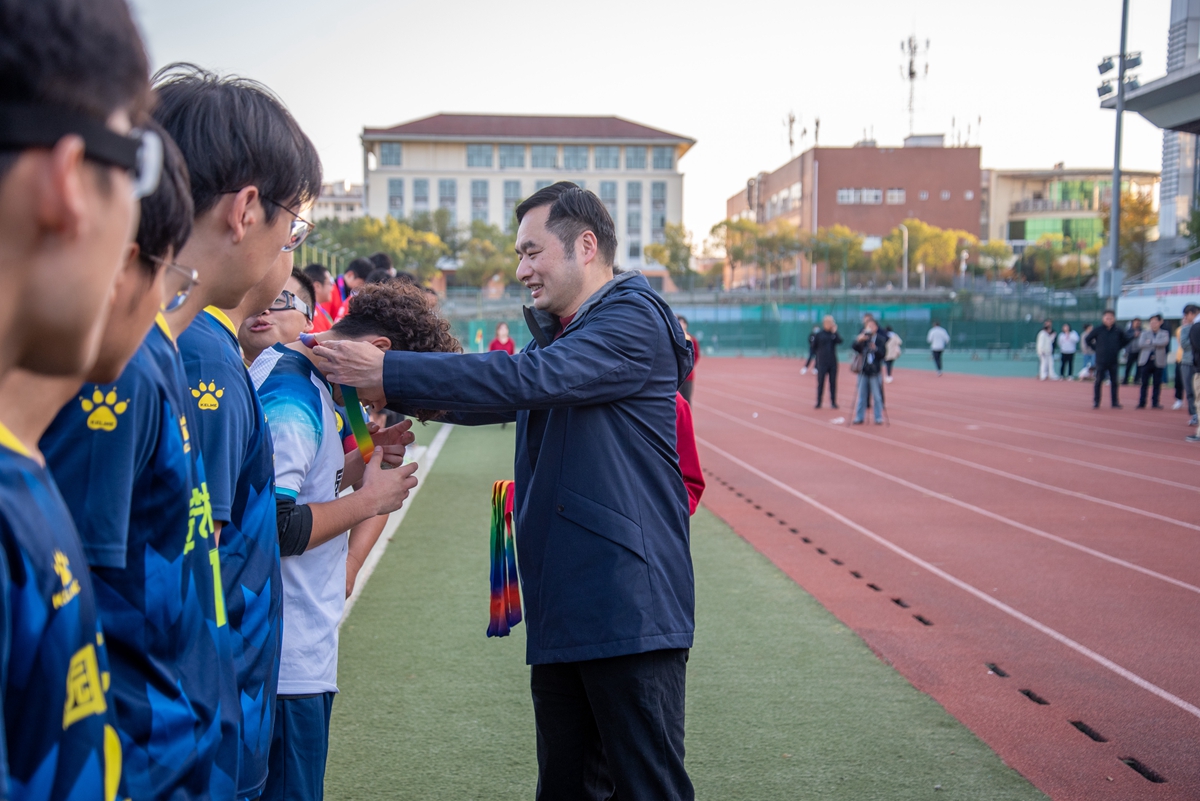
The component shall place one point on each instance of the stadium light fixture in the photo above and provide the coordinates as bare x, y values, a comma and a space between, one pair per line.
1133, 60
1104, 89
1106, 65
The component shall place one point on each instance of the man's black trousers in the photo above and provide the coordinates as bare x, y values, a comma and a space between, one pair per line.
830, 370
1112, 372
612, 728
1151, 372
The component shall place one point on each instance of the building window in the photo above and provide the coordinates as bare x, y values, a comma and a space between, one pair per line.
512, 199
635, 158
849, 197
448, 196
544, 157
608, 196
872, 197
479, 201
633, 213
421, 194
607, 157
635, 250
969, 195
512, 156
945, 194
337, 207
922, 195
479, 155
389, 154
658, 211
895, 197
664, 157
537, 185
574, 157
395, 198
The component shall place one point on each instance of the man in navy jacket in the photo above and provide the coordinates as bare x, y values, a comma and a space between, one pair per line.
602, 512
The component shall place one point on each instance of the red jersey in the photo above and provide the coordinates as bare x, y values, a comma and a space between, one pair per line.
689, 456
508, 347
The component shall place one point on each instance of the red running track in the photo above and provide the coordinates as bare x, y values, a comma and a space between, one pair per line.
996, 523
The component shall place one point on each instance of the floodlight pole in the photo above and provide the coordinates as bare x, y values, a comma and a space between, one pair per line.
1114, 226
904, 275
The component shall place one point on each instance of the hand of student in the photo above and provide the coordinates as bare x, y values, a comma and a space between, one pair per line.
355, 364
393, 440
386, 490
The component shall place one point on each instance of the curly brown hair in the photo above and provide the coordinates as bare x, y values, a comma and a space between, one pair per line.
403, 314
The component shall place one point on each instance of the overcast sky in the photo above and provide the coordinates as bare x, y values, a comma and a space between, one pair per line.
724, 74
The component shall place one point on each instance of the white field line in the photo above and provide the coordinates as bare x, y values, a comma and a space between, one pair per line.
1037, 532
1083, 496
962, 585
1017, 449
425, 461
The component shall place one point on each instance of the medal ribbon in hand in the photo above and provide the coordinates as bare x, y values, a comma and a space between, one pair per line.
354, 410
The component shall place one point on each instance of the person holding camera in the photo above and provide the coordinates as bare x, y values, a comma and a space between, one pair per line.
871, 346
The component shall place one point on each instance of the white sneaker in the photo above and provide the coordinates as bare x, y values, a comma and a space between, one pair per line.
1177, 405
803, 371
888, 379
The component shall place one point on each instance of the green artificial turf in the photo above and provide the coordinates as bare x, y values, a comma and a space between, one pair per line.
784, 702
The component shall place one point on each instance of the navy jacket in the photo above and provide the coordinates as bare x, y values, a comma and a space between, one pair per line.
601, 509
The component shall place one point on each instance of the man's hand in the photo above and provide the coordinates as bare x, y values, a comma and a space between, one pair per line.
355, 364
393, 441
386, 490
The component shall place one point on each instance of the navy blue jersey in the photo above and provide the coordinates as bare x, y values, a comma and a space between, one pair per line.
53, 661
136, 488
231, 429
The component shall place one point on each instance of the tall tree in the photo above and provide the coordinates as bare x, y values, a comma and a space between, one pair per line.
1139, 223
487, 252
674, 253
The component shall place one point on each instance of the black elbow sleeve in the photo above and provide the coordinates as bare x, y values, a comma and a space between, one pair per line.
294, 524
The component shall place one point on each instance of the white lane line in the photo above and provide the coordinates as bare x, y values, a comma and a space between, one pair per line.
1083, 496
425, 465
1017, 448
1037, 532
962, 585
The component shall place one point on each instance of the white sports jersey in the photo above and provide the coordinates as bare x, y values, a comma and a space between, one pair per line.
308, 467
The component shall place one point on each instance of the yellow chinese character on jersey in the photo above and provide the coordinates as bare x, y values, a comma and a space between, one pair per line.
187, 445
70, 584
208, 396
103, 409
85, 694
200, 520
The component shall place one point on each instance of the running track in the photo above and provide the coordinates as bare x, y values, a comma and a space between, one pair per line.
996, 523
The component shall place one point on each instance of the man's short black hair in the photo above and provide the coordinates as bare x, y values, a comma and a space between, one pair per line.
1156, 317
1191, 308
166, 221
84, 56
317, 273
236, 133
1108, 311
407, 278
362, 268
573, 211
381, 260
379, 276
308, 292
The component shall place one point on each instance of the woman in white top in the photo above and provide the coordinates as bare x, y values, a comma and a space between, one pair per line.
1045, 351
1068, 342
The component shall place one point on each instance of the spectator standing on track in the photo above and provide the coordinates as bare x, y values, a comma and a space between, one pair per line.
872, 344
502, 340
1045, 351
1068, 342
1107, 341
1134, 333
812, 349
825, 342
1089, 355
1187, 369
1152, 359
685, 389
893, 351
1194, 341
938, 338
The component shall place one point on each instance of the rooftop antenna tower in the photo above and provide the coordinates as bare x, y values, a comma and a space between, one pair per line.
915, 53
790, 122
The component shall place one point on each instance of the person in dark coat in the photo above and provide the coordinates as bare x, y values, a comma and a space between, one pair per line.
824, 350
601, 507
1107, 341
1133, 333
872, 344
812, 349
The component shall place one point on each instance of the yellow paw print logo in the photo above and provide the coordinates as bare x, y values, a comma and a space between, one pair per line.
103, 409
209, 396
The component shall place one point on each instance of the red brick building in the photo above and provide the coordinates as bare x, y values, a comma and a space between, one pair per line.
869, 189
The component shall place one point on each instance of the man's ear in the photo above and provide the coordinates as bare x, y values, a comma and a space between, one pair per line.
244, 212
383, 343
60, 194
588, 247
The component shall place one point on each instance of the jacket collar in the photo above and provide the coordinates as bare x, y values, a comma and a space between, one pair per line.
544, 325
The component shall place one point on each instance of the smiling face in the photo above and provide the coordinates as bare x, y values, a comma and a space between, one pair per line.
552, 275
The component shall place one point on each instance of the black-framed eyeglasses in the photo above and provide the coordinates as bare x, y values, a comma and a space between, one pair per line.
180, 284
301, 227
140, 152
288, 300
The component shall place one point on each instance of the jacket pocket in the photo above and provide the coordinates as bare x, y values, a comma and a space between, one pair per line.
599, 519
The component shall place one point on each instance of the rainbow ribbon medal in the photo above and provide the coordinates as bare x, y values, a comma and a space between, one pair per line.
355, 414
506, 591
